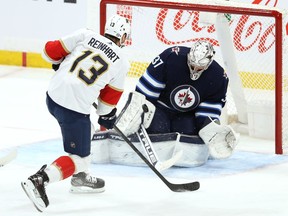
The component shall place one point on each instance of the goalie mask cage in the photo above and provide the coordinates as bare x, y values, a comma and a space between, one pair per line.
250, 42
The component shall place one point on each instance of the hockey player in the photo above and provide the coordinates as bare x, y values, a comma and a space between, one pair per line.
188, 89
89, 67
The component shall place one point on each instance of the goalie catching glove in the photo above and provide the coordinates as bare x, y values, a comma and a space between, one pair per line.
220, 139
136, 111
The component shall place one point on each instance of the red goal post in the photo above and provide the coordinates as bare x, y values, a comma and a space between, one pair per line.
250, 42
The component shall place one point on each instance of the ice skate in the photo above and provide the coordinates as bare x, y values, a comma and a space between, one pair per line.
34, 188
84, 183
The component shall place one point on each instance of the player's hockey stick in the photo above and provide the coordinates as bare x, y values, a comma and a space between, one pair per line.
149, 150
8, 157
151, 153
191, 186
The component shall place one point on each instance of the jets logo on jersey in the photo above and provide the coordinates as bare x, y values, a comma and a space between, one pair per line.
176, 50
184, 98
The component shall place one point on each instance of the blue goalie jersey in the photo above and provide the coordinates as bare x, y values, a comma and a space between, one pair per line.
167, 83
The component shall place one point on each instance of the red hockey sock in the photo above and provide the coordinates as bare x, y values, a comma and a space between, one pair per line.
65, 165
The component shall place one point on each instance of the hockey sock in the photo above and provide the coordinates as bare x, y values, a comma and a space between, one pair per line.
62, 168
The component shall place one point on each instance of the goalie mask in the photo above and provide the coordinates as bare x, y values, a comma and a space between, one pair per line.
199, 58
118, 26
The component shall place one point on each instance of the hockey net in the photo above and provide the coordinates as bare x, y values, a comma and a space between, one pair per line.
250, 42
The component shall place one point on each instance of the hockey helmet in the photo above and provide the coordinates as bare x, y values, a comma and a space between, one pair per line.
199, 58
117, 26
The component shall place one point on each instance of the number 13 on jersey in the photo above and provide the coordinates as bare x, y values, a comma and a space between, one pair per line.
89, 76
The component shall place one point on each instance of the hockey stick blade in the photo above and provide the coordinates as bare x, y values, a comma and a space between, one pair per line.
151, 153
191, 186
163, 165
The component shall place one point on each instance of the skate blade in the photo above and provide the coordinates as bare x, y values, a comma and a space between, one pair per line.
85, 190
29, 189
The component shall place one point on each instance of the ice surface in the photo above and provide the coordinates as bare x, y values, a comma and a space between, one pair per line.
254, 181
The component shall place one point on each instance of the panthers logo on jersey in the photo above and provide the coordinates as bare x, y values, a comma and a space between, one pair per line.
184, 98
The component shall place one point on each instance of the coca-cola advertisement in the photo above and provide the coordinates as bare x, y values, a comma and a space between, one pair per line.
154, 29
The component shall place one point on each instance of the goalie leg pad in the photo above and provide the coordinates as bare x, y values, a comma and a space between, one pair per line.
167, 145
195, 152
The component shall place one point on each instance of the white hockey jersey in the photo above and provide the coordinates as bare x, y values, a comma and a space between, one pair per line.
92, 67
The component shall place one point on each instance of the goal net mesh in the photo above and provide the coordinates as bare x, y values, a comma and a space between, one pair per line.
250, 62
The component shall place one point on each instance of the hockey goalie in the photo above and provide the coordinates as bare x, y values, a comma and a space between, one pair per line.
178, 102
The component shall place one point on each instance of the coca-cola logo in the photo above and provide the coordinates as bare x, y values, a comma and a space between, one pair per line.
247, 32
181, 20
255, 33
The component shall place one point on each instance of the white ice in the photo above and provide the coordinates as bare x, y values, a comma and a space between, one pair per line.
252, 182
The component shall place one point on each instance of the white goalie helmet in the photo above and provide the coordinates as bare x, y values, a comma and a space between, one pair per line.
117, 26
199, 58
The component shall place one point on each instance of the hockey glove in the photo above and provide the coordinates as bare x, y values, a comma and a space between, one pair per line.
108, 120
55, 67
220, 139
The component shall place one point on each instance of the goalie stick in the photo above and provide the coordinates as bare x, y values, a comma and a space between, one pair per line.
151, 153
191, 186
8, 157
